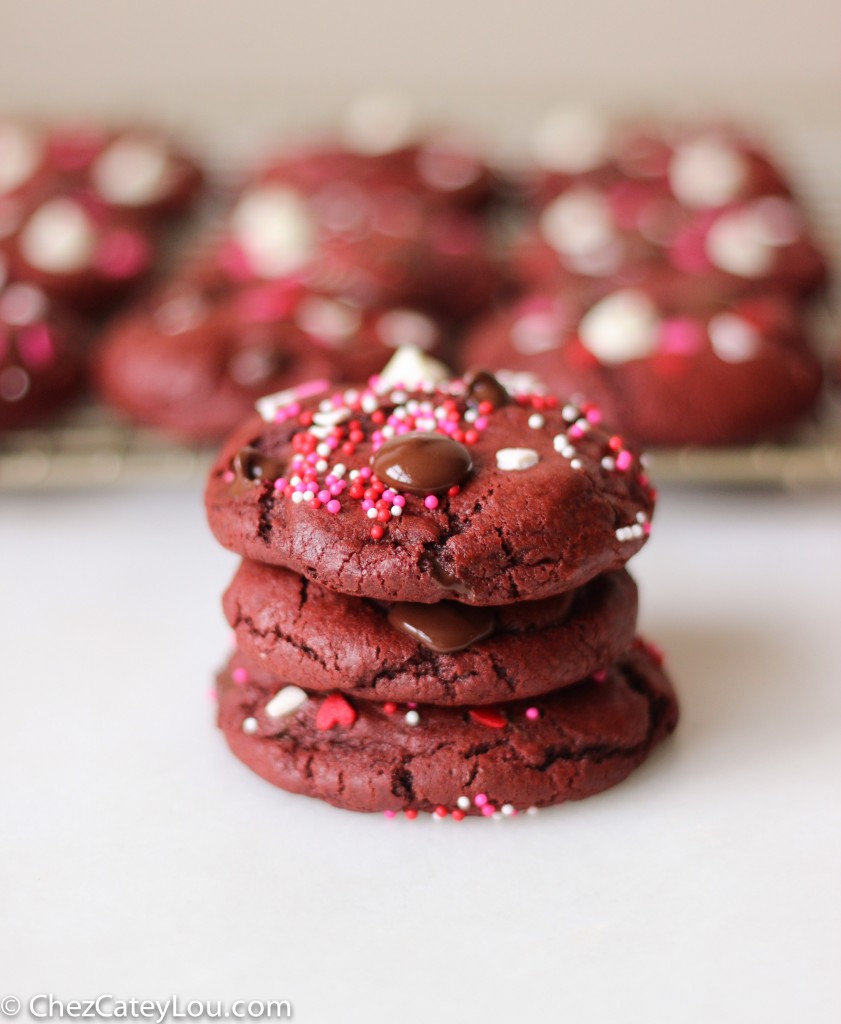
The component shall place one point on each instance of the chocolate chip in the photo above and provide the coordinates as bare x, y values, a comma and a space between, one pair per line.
251, 464
422, 463
484, 387
444, 627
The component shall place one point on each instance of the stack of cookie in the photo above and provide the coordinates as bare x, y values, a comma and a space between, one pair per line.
432, 613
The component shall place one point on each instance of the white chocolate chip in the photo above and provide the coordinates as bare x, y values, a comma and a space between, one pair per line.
21, 150
744, 241
133, 172
406, 327
59, 238
707, 171
620, 327
285, 701
275, 229
579, 223
571, 140
409, 367
733, 339
328, 321
378, 123
516, 458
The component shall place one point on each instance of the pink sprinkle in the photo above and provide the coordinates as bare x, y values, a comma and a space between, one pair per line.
624, 460
480, 799
594, 415
390, 814
411, 704
365, 472
123, 254
646, 528
36, 346
240, 675
480, 422
600, 676
366, 504
532, 713
430, 501
400, 501
323, 496
336, 489
575, 431
389, 496
333, 506
280, 484
488, 810
228, 476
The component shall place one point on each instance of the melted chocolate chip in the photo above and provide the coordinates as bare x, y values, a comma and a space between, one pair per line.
447, 580
444, 627
484, 387
422, 463
250, 464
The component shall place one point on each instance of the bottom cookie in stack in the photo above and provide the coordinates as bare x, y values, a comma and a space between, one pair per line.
507, 758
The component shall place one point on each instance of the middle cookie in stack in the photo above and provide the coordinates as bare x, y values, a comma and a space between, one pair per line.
433, 613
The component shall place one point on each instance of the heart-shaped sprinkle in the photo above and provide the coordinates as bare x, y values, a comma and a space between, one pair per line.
487, 716
334, 711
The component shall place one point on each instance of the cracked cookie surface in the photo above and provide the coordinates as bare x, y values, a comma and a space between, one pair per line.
551, 499
364, 756
323, 640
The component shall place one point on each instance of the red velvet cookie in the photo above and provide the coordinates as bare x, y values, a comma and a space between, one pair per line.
383, 248
75, 250
667, 369
195, 365
364, 756
444, 653
41, 357
418, 488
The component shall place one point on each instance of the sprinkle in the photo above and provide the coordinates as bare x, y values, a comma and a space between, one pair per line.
536, 421
377, 532
532, 713
411, 813
488, 810
430, 501
463, 802
285, 701
624, 460
240, 675
480, 799
389, 707
440, 811
570, 413
333, 506
508, 810
489, 717
396, 510
516, 458
250, 726
458, 815
390, 814
576, 463
334, 710
559, 442
608, 463
412, 718
531, 810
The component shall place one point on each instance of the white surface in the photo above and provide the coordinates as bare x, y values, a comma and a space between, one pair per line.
139, 858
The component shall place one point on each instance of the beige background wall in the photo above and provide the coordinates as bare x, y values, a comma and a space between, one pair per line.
209, 58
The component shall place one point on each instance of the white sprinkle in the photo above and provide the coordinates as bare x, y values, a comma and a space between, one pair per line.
641, 517
463, 803
285, 701
354, 473
471, 415
559, 442
609, 463
369, 403
396, 510
536, 421
308, 495
637, 531
371, 513
323, 450
532, 810
330, 417
412, 718
707, 171
297, 497
250, 726
579, 222
340, 469
321, 465
583, 425
570, 413
133, 171
507, 809
733, 339
568, 452
387, 431
576, 464
516, 458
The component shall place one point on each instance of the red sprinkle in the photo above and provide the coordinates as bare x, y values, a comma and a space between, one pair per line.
457, 814
411, 813
440, 811
489, 717
377, 531
389, 707
334, 711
